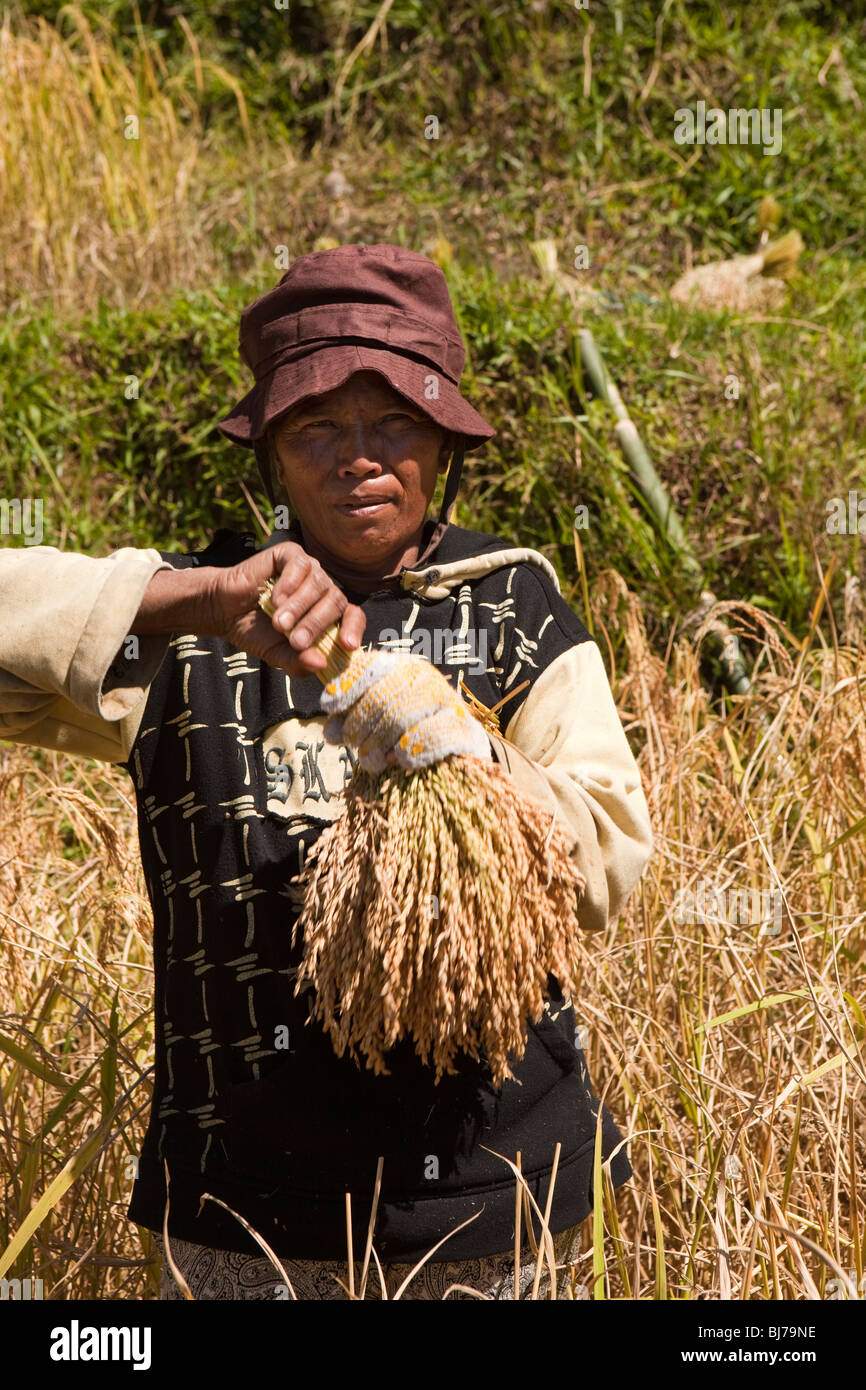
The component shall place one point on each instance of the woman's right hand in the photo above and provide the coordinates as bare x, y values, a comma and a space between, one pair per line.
306, 603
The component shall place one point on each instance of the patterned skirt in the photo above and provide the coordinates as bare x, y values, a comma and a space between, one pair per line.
229, 1275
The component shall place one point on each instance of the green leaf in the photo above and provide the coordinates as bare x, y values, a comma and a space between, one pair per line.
108, 1069
759, 1004
33, 1064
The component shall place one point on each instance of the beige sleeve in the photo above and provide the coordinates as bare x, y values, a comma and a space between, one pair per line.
65, 681
572, 755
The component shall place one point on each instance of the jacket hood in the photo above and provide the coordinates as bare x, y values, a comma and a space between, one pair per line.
459, 556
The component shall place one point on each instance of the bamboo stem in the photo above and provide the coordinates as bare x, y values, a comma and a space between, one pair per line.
638, 459
720, 640
337, 657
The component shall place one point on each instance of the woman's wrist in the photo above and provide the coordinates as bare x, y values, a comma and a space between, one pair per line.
178, 601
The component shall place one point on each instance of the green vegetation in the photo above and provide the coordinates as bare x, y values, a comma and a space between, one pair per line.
124, 265
553, 122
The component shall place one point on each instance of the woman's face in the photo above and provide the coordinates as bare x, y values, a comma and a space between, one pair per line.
359, 465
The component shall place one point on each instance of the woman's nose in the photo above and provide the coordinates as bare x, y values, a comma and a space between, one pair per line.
356, 447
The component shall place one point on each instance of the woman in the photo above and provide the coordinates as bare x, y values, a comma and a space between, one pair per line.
217, 715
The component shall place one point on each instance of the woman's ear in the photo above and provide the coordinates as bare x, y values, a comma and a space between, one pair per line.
276, 465
446, 449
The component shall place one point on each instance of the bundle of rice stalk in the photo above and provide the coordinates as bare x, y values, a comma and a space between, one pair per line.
435, 907
743, 282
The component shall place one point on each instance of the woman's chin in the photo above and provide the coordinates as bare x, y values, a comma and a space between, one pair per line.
367, 544
367, 537
363, 547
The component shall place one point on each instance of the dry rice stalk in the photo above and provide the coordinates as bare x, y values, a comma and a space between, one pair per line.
436, 906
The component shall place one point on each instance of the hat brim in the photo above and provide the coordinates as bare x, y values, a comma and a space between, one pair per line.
328, 368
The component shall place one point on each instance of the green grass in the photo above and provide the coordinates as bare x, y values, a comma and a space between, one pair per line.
553, 123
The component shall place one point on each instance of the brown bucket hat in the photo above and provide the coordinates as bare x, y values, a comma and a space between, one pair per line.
350, 309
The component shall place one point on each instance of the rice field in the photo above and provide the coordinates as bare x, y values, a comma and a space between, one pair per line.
723, 1014
731, 1051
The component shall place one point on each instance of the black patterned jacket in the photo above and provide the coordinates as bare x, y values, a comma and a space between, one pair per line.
234, 781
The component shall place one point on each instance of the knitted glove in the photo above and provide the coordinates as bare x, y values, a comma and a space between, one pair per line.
384, 703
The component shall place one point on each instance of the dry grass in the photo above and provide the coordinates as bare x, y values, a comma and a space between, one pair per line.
732, 1056
737, 1051
76, 1036
98, 166
436, 907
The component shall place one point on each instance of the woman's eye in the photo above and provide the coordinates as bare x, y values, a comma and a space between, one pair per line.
319, 428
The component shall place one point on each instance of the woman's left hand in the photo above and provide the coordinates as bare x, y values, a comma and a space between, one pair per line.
400, 709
